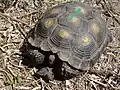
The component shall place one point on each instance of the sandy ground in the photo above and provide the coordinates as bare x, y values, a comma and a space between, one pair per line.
17, 17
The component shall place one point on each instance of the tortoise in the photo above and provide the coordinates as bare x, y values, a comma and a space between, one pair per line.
68, 40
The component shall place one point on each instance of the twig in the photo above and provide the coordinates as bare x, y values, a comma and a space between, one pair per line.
31, 13
4, 51
17, 20
22, 31
105, 85
114, 28
110, 12
23, 88
37, 88
20, 67
7, 75
98, 2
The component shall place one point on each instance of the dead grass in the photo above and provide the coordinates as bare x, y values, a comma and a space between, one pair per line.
21, 15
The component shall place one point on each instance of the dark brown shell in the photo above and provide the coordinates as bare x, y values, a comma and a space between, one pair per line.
75, 31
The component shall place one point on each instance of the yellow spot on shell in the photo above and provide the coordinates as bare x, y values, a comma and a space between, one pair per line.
49, 22
86, 40
95, 28
64, 34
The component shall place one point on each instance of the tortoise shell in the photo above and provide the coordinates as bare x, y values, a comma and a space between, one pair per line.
76, 32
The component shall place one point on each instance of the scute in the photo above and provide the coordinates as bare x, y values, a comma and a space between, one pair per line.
97, 31
74, 23
75, 62
61, 38
83, 48
65, 55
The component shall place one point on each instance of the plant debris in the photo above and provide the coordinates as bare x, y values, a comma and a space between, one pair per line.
17, 17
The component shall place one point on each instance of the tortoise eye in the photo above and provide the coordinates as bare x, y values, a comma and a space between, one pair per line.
64, 34
49, 22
